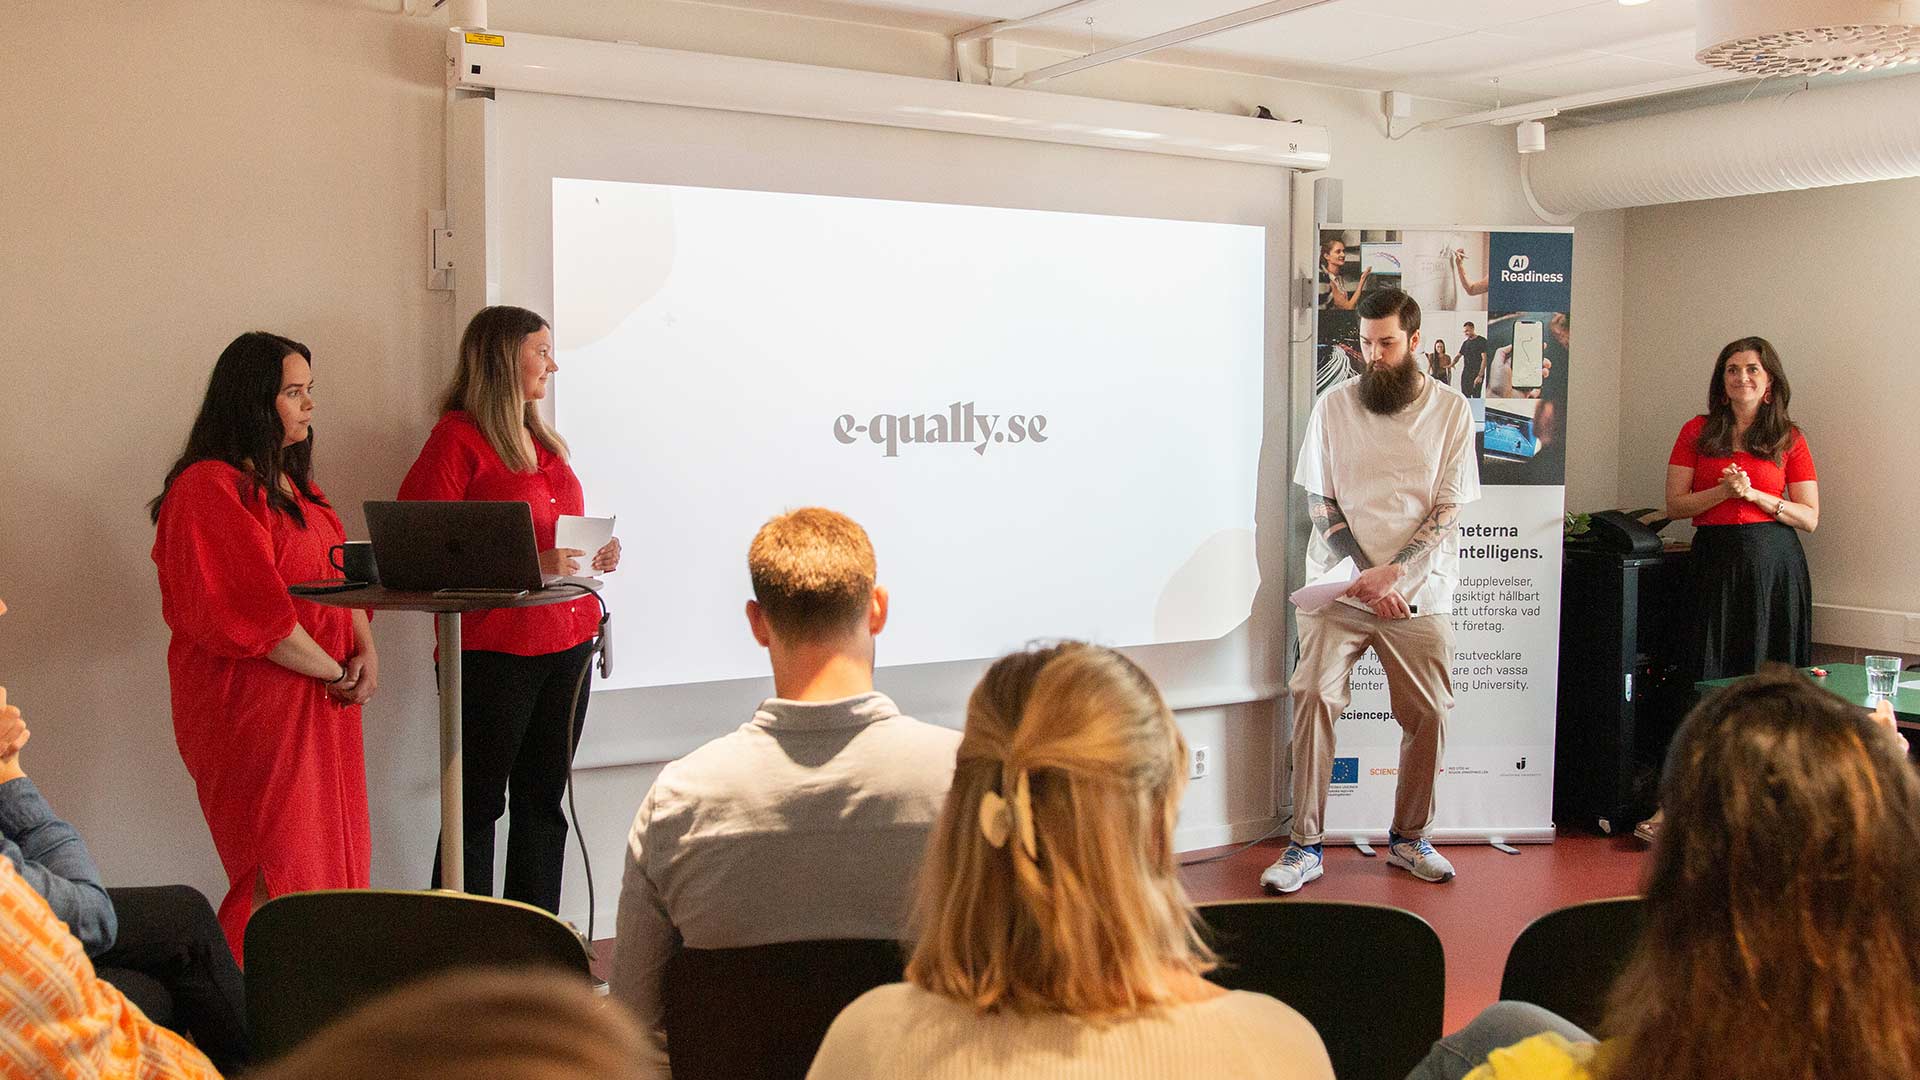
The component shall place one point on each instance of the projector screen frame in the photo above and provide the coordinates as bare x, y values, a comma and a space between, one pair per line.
476, 185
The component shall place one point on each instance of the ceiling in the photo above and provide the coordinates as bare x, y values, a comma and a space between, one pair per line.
1448, 49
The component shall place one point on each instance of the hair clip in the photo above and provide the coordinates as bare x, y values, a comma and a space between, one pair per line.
1000, 818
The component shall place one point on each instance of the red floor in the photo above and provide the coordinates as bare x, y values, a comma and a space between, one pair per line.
1477, 914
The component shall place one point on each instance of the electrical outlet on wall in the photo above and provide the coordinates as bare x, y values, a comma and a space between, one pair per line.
1201, 761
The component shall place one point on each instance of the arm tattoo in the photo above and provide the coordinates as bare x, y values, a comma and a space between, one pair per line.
1439, 522
1331, 524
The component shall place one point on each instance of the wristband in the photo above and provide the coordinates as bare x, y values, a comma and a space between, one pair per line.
1778, 508
337, 678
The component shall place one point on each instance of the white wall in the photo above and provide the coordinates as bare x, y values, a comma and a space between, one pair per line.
1828, 276
234, 165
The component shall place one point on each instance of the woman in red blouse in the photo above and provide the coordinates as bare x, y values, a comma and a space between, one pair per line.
1743, 474
519, 666
266, 687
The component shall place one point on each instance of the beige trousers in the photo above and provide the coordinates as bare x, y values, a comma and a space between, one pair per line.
1417, 654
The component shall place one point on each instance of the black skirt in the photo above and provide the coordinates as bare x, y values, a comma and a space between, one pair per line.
1753, 600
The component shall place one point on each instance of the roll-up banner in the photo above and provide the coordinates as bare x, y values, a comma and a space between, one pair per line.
1496, 326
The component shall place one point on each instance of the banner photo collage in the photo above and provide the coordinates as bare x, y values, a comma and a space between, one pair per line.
1496, 326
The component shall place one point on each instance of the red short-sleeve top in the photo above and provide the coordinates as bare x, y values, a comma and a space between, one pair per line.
1766, 476
459, 463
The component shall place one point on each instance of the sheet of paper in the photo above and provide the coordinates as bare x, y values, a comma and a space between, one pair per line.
1327, 588
588, 534
1909, 684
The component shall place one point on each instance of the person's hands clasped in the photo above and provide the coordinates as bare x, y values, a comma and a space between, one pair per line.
13, 736
562, 561
1735, 482
607, 559
1375, 587
362, 678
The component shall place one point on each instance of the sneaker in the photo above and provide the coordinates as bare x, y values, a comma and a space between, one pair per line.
1296, 866
1418, 858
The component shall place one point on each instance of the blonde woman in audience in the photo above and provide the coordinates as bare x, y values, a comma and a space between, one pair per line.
475, 1024
1054, 937
1783, 911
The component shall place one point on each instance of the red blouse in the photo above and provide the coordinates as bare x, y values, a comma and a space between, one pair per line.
459, 463
1765, 475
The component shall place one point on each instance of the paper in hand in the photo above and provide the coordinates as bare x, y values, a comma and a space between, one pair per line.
1326, 588
588, 534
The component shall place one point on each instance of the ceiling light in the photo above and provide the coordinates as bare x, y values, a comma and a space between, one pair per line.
1634, 3
1808, 37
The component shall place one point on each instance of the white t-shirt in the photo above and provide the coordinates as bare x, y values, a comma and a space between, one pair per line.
1387, 473
901, 1032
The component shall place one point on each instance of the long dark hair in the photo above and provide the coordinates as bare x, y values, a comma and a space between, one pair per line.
238, 424
1772, 431
1783, 901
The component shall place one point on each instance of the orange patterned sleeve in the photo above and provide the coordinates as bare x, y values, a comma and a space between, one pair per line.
58, 1019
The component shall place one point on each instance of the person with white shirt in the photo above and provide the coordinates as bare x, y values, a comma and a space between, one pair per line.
808, 822
1387, 463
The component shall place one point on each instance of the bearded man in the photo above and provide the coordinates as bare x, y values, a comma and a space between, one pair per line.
1387, 463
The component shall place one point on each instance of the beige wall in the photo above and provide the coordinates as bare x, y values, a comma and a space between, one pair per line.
235, 164
1828, 276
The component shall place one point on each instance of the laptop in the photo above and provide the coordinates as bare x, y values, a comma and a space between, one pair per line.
465, 546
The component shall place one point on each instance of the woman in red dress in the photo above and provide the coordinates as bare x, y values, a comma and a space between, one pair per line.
266, 687
523, 670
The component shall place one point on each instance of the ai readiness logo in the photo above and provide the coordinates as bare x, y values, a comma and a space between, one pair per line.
1518, 270
960, 424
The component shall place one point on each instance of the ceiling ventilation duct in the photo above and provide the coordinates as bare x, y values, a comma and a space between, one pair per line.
1806, 37
1844, 134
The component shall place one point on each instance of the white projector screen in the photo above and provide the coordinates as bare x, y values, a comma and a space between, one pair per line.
744, 282
993, 393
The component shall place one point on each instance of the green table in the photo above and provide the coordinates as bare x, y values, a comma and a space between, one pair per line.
1849, 681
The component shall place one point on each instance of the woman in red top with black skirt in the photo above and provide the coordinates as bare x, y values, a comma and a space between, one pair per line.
1743, 474
519, 666
266, 687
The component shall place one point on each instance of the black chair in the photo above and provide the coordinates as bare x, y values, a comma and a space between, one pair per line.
760, 1012
313, 956
1371, 979
1567, 960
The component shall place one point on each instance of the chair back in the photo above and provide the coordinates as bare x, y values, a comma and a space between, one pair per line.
760, 1012
1567, 960
1370, 979
313, 956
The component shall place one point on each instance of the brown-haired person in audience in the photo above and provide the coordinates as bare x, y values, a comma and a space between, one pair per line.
1783, 911
266, 687
520, 667
473, 1024
160, 945
1054, 939
808, 821
1743, 473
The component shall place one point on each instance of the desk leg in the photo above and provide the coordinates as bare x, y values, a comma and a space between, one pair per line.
452, 832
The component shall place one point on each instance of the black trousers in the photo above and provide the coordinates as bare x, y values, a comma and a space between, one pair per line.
516, 739
171, 959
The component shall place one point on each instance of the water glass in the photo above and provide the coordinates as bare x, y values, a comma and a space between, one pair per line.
1882, 673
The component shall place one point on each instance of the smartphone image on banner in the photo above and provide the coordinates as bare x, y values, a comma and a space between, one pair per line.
1527, 354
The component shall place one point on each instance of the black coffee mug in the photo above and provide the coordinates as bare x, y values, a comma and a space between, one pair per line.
354, 560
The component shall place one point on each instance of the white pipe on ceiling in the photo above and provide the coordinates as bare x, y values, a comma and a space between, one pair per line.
1845, 134
1178, 36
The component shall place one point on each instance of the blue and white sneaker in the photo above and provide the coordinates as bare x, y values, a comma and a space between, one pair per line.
1296, 866
1418, 858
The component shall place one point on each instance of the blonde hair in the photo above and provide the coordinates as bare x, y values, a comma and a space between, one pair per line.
1050, 883
474, 1024
486, 385
812, 570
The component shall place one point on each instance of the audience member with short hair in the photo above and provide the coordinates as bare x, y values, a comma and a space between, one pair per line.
473, 1024
1054, 937
1783, 911
809, 821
